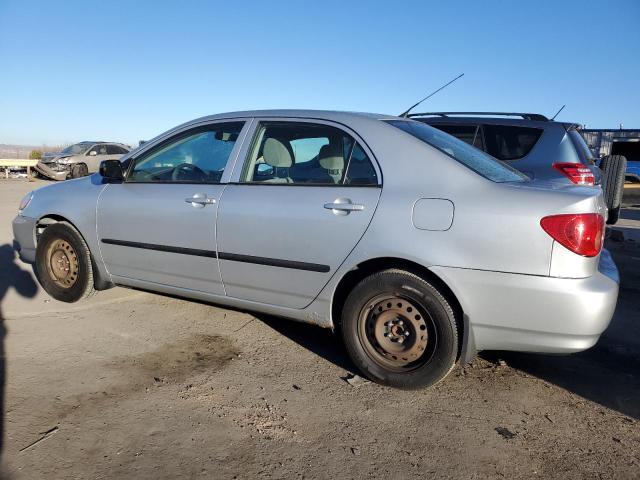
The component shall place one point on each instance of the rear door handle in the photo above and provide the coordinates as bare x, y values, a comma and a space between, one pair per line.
199, 200
343, 206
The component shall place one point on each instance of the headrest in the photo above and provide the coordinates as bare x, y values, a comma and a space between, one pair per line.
330, 157
276, 154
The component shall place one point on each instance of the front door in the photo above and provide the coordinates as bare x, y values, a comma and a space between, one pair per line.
97, 154
304, 198
159, 225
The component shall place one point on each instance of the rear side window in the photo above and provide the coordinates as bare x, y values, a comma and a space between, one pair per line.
471, 157
470, 134
584, 153
305, 153
115, 150
507, 142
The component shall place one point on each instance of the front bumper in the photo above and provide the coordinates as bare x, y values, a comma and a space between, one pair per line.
61, 173
533, 313
24, 238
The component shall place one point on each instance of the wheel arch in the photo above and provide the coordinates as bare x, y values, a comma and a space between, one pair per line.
466, 349
99, 280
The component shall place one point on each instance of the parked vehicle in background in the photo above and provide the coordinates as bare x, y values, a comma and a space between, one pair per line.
79, 160
630, 149
420, 249
541, 148
624, 142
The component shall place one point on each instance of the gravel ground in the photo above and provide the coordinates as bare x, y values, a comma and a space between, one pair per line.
136, 385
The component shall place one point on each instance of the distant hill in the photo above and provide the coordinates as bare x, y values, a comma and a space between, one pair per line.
23, 151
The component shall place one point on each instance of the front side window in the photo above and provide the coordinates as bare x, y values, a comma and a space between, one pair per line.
305, 153
98, 150
76, 149
508, 142
469, 156
198, 156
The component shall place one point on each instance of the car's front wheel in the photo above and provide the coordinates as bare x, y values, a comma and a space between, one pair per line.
79, 170
63, 263
399, 330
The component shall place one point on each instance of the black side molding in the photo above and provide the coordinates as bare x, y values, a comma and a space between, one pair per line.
161, 248
233, 257
274, 262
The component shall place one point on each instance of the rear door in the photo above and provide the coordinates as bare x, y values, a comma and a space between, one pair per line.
302, 200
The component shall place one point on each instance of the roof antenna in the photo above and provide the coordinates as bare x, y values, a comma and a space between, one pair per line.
406, 114
558, 112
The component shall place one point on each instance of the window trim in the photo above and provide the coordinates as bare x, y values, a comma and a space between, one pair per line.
247, 149
167, 140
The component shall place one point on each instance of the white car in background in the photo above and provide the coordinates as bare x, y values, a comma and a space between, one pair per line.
79, 160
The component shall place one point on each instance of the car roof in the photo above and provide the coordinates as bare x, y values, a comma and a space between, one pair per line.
294, 113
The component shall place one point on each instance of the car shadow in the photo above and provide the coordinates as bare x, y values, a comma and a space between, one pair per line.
608, 373
11, 276
321, 341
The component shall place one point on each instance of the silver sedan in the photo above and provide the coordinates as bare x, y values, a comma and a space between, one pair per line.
418, 248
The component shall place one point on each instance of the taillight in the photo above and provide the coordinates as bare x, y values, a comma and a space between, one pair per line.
582, 233
576, 172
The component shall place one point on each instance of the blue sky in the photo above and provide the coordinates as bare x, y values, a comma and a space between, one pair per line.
120, 70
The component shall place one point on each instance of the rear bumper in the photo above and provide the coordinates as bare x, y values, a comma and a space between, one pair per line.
48, 172
533, 313
24, 240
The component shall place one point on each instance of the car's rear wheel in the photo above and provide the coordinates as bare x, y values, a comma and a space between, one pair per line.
400, 330
613, 173
79, 170
63, 263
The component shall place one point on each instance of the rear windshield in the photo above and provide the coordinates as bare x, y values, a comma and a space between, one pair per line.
508, 142
581, 147
469, 156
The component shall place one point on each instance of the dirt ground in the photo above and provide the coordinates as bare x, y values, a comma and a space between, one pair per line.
136, 385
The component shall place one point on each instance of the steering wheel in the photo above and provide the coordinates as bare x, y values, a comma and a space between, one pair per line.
191, 171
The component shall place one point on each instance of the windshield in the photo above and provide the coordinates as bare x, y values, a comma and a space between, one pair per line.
469, 156
76, 149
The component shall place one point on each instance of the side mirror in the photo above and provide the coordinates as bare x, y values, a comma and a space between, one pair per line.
111, 170
93, 153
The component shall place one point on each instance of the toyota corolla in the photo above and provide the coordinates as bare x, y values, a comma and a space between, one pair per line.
419, 249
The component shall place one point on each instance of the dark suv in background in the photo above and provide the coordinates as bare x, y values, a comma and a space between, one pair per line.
541, 148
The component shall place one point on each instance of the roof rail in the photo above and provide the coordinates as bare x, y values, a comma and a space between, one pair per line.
526, 116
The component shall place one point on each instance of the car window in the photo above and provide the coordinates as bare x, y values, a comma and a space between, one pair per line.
360, 170
76, 149
471, 157
115, 150
584, 153
306, 153
470, 134
198, 156
508, 142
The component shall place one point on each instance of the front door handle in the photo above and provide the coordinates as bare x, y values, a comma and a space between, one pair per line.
199, 200
343, 206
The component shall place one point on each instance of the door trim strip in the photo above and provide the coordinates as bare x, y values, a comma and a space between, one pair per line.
233, 257
161, 248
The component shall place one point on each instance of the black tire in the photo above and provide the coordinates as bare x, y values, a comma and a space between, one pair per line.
613, 173
374, 342
63, 263
79, 170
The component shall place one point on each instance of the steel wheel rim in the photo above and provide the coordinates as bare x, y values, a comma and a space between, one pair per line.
396, 333
62, 263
